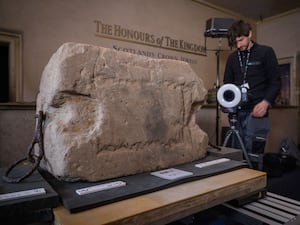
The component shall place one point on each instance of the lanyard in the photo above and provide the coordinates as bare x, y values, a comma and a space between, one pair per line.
245, 68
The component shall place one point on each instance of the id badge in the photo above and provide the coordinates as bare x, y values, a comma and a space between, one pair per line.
245, 85
244, 90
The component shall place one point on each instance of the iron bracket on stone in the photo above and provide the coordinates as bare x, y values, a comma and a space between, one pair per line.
32, 157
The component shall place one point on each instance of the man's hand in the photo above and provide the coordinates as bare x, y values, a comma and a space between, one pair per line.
260, 109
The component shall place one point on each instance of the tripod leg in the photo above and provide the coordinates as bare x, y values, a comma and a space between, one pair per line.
244, 149
229, 133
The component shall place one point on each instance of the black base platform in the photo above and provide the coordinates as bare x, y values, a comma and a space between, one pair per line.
135, 185
27, 209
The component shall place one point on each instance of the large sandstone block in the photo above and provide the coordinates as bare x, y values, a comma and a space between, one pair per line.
111, 114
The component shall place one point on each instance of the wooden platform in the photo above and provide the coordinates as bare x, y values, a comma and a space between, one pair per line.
170, 204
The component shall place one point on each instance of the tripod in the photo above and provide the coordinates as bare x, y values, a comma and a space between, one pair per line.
235, 134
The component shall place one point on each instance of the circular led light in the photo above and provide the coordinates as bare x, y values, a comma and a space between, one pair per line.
229, 95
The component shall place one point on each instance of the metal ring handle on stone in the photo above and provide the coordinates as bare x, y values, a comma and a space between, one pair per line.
31, 157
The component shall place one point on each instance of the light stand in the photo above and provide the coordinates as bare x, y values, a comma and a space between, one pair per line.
217, 53
217, 88
217, 28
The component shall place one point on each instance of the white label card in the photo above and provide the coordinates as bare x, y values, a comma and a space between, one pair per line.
22, 194
100, 187
171, 174
212, 162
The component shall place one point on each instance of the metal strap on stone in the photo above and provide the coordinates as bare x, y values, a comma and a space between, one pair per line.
32, 158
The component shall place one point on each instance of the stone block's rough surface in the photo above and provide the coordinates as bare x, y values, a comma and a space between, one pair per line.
111, 114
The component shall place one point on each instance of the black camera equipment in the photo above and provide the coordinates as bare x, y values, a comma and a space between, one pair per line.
218, 27
230, 97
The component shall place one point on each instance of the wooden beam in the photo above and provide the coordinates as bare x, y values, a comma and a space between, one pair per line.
170, 204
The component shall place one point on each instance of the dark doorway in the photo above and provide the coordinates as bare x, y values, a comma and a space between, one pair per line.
4, 72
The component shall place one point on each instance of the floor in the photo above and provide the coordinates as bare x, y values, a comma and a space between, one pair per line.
286, 184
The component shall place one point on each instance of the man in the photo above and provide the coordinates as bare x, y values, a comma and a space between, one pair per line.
254, 68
